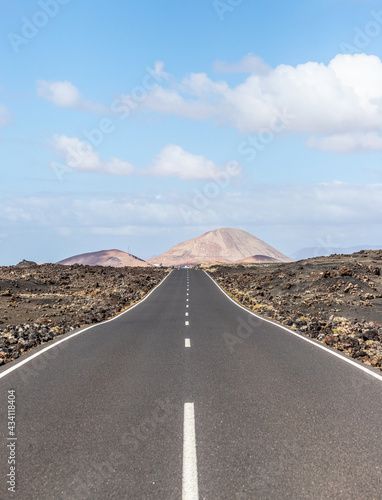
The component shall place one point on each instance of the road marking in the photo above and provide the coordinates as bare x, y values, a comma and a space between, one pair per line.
187, 305
300, 336
186, 314
54, 344
190, 470
187, 323
188, 294
187, 343
187, 299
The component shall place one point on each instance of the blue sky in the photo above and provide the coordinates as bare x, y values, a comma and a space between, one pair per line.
138, 125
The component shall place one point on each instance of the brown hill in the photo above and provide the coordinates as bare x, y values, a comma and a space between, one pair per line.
221, 245
111, 258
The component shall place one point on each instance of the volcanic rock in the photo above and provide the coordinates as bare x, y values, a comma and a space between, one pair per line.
53, 299
27, 263
319, 297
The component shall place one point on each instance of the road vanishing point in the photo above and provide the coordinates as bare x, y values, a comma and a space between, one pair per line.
188, 396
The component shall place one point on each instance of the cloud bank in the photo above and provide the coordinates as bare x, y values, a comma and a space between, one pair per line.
303, 207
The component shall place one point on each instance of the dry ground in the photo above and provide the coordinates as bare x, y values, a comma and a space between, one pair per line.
40, 302
336, 300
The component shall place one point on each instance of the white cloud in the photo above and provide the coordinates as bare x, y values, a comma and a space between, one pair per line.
159, 70
342, 97
81, 156
5, 115
171, 101
347, 143
66, 95
248, 64
173, 161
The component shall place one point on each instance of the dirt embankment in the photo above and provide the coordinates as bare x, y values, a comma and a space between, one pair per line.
336, 300
40, 302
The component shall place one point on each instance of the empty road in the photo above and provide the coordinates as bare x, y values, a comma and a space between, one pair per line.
189, 396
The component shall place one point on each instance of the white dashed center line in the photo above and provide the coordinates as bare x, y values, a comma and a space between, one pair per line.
187, 343
190, 470
186, 314
187, 323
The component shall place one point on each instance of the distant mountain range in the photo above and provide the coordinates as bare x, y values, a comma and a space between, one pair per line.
221, 245
308, 253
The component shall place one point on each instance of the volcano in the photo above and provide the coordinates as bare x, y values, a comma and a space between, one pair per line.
221, 245
112, 258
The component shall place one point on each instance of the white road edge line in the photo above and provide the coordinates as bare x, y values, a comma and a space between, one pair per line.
187, 343
190, 470
343, 358
6, 372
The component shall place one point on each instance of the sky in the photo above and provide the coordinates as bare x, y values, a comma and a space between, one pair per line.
139, 125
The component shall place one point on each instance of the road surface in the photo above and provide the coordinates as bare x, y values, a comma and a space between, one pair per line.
188, 396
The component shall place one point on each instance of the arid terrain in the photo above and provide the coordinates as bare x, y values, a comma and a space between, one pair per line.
336, 300
40, 302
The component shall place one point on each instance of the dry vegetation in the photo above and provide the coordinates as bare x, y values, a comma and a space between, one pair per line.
336, 300
39, 303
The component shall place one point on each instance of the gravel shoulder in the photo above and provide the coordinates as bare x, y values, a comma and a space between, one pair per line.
40, 302
336, 300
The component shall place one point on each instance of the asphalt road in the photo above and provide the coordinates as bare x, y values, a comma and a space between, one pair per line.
173, 402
